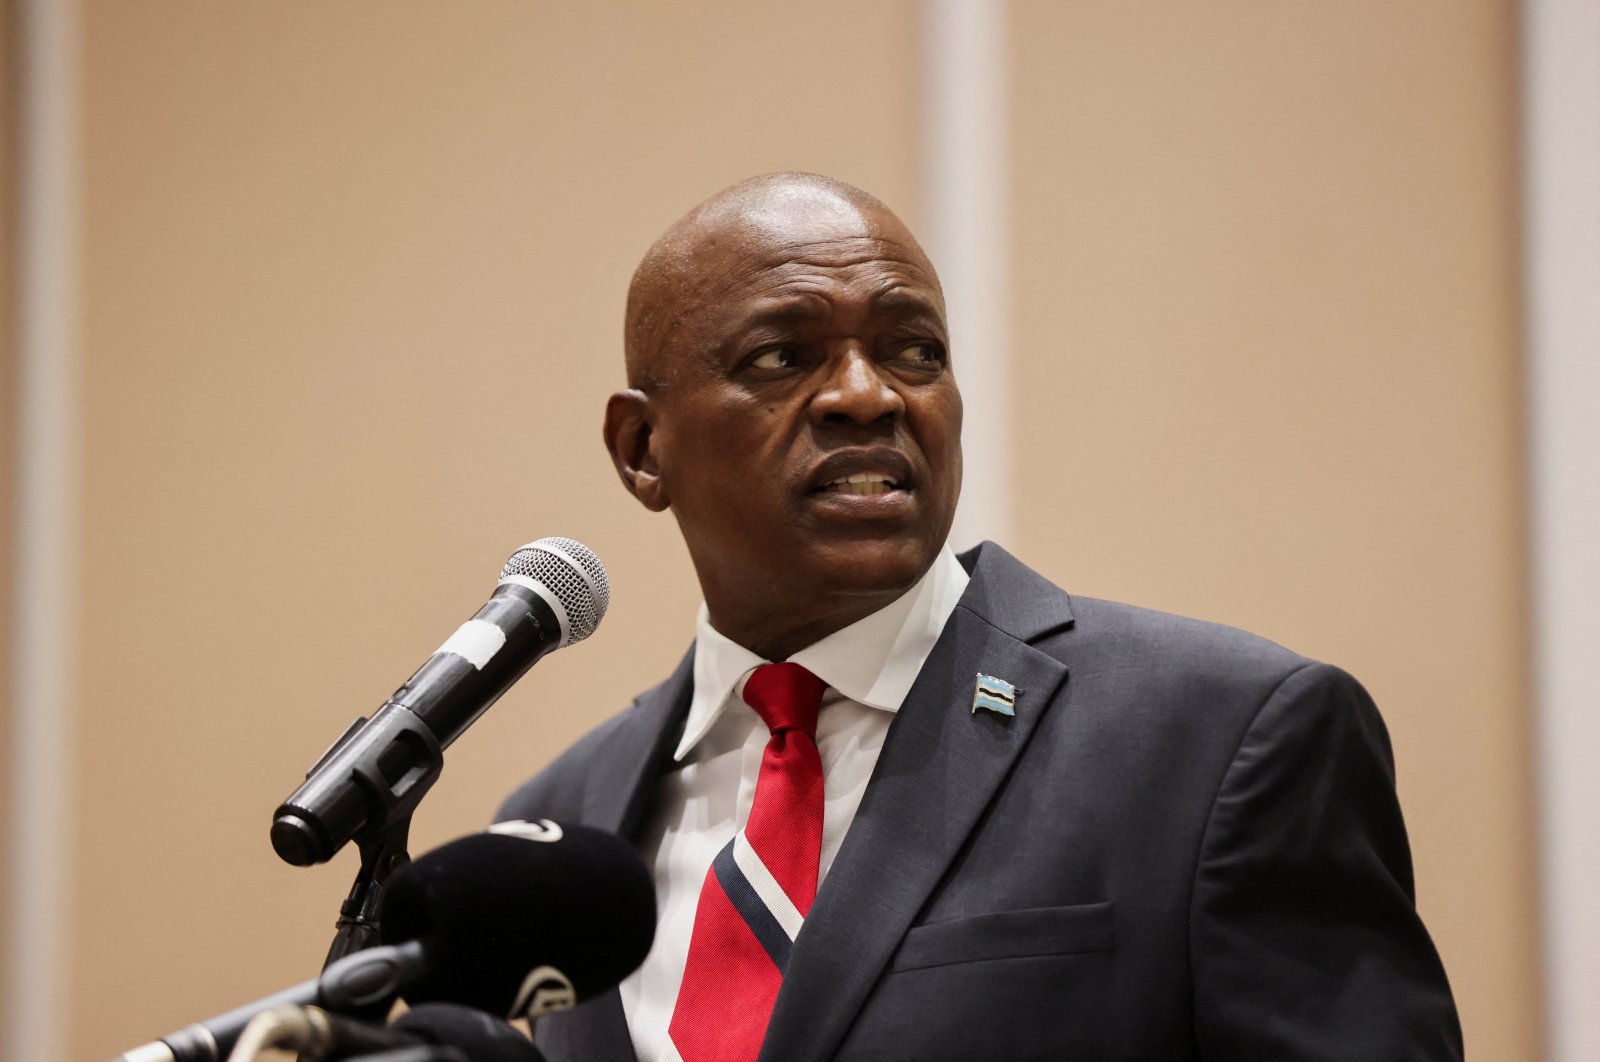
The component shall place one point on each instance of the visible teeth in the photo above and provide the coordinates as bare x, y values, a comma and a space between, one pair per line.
862, 483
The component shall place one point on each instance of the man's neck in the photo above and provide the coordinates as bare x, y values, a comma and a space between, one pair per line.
778, 637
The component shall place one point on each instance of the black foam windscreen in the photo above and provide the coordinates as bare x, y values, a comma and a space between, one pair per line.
523, 919
481, 1037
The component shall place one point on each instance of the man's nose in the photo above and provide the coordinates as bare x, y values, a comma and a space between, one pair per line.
856, 390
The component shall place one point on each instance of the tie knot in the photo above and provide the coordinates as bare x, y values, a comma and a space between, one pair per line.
785, 696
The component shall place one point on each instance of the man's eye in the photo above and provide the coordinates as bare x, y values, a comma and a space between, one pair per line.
920, 353
775, 358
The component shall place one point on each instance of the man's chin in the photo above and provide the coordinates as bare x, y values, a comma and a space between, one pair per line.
868, 567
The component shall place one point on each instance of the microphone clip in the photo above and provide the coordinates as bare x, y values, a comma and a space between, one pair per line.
381, 855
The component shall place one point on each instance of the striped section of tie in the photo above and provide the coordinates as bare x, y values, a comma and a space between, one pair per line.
766, 887
760, 919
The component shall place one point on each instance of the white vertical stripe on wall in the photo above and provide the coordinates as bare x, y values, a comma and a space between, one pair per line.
45, 406
966, 183
1561, 72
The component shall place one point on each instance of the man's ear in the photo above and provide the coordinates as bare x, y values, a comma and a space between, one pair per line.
632, 441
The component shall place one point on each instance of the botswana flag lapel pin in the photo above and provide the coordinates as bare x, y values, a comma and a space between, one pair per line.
995, 695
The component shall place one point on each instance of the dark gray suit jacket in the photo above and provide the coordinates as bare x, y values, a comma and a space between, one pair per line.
1185, 845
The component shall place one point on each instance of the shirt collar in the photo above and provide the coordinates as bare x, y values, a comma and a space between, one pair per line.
873, 661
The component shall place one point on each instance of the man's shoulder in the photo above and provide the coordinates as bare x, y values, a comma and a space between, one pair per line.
1142, 666
1151, 634
1197, 689
1197, 672
1075, 628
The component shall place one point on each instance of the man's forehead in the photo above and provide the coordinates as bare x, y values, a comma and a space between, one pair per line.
758, 266
799, 279
756, 235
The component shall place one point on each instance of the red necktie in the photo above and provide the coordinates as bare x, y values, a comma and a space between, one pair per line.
760, 886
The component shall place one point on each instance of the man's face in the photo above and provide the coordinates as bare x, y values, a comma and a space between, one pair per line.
807, 426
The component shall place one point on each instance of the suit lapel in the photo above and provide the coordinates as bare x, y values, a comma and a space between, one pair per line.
617, 796
622, 779
940, 767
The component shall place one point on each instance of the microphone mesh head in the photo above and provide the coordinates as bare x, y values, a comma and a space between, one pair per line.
571, 572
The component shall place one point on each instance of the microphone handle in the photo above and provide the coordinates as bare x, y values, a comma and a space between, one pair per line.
374, 777
362, 984
314, 1034
212, 1040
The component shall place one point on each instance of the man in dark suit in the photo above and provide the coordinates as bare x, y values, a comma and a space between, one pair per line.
1003, 823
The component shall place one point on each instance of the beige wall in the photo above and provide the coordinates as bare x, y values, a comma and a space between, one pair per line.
8, 100
353, 286
1268, 349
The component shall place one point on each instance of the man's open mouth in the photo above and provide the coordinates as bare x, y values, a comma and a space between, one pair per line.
861, 483
863, 472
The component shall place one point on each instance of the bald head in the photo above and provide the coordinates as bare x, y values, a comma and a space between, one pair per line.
753, 225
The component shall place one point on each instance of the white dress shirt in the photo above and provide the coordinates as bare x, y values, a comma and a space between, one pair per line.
869, 667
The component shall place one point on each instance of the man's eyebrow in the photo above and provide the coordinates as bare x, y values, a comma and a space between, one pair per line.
785, 309
793, 308
904, 299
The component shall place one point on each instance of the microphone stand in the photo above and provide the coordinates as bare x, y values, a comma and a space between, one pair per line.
382, 853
